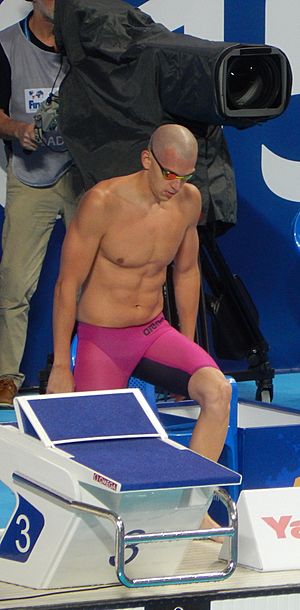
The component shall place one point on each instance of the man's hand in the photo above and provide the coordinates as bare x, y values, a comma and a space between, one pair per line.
26, 136
178, 397
60, 380
11, 129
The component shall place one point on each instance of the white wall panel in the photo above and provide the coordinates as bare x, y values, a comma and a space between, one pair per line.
202, 18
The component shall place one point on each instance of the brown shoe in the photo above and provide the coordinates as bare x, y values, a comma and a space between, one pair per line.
8, 391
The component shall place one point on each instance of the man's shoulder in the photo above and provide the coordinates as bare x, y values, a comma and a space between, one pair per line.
191, 203
101, 189
191, 194
111, 188
99, 195
7, 33
192, 189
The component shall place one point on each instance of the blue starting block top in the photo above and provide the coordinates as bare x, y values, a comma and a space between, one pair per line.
150, 463
89, 417
117, 435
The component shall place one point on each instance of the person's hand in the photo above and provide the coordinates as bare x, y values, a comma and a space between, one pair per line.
26, 135
60, 380
178, 397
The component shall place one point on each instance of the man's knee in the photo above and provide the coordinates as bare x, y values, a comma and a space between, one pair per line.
211, 389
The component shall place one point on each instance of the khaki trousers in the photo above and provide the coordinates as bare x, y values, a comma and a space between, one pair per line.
30, 215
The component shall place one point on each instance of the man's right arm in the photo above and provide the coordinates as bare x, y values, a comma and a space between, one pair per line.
78, 253
17, 130
11, 129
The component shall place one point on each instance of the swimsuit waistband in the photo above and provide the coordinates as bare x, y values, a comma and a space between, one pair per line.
147, 326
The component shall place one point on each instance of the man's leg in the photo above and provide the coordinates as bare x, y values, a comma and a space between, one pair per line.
212, 391
30, 215
181, 366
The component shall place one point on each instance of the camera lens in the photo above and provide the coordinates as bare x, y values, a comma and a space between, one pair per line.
253, 82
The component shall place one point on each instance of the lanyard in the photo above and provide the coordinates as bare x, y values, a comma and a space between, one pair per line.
25, 28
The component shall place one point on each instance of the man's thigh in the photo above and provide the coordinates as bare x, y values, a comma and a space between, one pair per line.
171, 361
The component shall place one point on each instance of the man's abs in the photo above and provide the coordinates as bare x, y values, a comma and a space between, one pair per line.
117, 308
123, 293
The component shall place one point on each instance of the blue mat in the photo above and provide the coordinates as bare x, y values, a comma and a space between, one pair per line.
89, 416
149, 463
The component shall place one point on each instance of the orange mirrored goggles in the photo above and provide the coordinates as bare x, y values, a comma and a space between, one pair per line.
168, 174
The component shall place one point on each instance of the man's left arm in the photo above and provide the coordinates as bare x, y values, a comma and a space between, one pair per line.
186, 277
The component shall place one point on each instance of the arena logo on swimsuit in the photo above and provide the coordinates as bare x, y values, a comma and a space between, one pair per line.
149, 329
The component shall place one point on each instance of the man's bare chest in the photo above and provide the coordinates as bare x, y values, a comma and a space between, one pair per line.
153, 239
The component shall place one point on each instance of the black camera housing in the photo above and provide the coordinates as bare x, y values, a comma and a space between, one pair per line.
252, 82
129, 74
220, 83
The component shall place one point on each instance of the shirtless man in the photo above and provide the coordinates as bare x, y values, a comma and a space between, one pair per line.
127, 230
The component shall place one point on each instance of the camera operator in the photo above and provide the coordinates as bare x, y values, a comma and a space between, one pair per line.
42, 181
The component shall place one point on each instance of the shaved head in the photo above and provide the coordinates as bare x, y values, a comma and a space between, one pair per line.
175, 138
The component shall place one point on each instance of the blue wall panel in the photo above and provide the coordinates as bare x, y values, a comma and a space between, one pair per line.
261, 249
244, 21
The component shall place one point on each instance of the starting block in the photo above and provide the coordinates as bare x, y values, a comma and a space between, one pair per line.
97, 481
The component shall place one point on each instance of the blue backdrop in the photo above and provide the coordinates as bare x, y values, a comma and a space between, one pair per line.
263, 248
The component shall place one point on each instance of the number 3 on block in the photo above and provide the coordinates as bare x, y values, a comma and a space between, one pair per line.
22, 532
